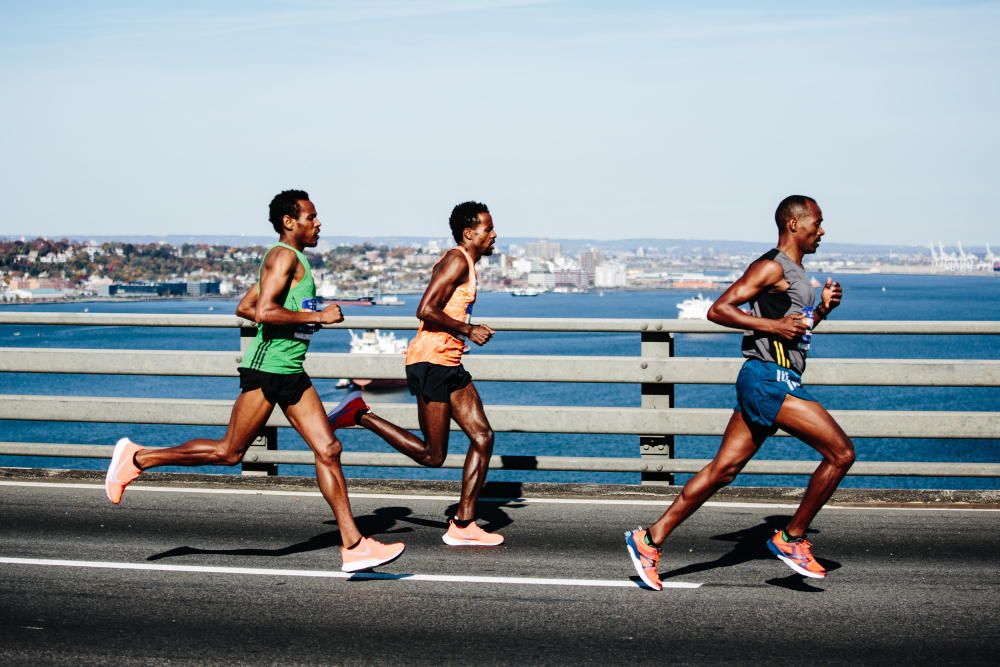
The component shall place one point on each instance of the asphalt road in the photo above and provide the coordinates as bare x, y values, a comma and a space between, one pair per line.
915, 587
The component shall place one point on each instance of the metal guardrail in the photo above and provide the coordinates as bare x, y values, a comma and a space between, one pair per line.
656, 370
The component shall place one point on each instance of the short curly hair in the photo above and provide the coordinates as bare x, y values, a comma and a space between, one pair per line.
464, 216
285, 203
790, 207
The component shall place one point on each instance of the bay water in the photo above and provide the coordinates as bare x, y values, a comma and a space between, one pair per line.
866, 297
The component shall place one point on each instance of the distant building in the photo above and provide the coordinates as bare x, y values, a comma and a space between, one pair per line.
203, 287
542, 279
589, 259
610, 274
148, 289
574, 278
543, 249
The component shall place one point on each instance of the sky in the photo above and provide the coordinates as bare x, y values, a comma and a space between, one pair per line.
602, 120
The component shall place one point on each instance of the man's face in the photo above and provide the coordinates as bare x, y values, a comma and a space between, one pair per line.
483, 235
809, 228
305, 228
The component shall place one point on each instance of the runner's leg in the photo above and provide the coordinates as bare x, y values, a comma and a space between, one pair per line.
250, 413
467, 409
739, 443
309, 419
435, 420
810, 422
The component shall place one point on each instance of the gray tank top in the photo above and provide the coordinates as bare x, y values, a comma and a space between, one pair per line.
774, 306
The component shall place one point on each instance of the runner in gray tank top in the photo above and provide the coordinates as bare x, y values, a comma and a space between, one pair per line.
799, 296
769, 392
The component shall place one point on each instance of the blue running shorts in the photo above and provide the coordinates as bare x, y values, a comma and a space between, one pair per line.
761, 388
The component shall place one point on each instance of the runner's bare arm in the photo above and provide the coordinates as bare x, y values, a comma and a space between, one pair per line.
448, 274
275, 280
760, 277
247, 307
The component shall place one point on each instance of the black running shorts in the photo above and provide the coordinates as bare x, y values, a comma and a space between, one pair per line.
279, 388
435, 382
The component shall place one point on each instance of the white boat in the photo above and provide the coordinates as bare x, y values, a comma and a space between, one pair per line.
528, 291
390, 300
373, 341
695, 308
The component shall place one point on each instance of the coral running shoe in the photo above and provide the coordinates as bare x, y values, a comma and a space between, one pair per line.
470, 536
348, 411
796, 555
369, 553
122, 470
645, 558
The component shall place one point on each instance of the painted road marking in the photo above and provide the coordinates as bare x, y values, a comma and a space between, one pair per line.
541, 501
333, 574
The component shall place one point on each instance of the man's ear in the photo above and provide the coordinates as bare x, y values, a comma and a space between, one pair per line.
792, 224
287, 222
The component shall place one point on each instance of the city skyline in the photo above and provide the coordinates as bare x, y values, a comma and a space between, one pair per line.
577, 120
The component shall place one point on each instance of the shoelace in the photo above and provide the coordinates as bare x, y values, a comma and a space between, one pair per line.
802, 548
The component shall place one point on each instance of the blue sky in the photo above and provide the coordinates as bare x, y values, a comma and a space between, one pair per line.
570, 119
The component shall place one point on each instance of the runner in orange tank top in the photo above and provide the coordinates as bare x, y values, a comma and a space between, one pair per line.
434, 373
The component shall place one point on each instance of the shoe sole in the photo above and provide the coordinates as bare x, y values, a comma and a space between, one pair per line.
370, 563
452, 542
792, 564
116, 459
331, 415
633, 555
344, 401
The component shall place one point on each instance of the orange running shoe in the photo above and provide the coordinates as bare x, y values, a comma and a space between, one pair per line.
645, 558
122, 470
796, 555
470, 536
369, 553
348, 411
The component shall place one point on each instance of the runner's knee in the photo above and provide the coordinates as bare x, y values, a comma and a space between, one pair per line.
225, 454
842, 457
329, 454
433, 459
723, 473
482, 441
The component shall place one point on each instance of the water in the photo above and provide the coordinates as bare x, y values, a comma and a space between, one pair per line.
903, 297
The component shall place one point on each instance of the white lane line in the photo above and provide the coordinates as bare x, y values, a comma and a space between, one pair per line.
446, 498
333, 574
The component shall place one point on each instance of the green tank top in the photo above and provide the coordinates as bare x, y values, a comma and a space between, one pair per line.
282, 349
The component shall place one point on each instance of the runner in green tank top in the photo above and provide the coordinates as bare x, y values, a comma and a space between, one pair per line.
271, 373
282, 348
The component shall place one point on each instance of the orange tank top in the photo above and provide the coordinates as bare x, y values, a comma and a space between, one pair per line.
438, 346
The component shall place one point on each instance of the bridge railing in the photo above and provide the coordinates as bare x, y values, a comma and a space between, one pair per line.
655, 422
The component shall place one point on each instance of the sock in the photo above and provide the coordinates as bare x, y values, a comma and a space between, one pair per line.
356, 543
649, 542
359, 415
461, 524
135, 462
788, 538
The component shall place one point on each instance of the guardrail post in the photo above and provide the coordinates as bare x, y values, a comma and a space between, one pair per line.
267, 439
655, 450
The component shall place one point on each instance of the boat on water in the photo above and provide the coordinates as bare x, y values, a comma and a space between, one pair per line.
695, 308
390, 300
374, 341
528, 291
348, 300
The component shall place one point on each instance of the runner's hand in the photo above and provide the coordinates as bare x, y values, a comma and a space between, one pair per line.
331, 314
480, 334
790, 327
832, 294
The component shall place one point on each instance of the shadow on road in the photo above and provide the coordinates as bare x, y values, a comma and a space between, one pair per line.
750, 544
382, 521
